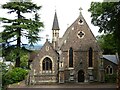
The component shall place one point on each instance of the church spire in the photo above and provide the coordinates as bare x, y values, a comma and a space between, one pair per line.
55, 23
55, 32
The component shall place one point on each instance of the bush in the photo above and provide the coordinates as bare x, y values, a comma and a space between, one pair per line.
14, 76
110, 78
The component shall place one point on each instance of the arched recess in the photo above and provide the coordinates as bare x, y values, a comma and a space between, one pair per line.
47, 64
50, 59
81, 76
109, 70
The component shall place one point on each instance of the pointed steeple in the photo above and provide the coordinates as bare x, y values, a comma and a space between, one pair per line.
55, 23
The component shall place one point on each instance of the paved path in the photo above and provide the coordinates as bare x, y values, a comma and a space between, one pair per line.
76, 86
79, 85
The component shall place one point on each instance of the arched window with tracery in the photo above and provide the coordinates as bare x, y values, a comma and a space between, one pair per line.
109, 69
90, 57
47, 64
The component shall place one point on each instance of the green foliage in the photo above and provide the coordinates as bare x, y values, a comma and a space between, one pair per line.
15, 75
3, 71
107, 43
106, 16
3, 67
110, 78
24, 61
102, 15
0, 45
19, 27
31, 26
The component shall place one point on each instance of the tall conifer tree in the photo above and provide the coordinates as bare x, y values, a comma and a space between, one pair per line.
19, 27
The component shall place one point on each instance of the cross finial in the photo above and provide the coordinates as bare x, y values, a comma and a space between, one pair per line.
67, 25
55, 8
47, 37
80, 9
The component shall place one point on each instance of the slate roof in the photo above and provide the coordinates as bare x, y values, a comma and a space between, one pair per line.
112, 58
32, 55
55, 23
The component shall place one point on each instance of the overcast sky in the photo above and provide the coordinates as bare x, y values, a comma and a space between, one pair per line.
67, 13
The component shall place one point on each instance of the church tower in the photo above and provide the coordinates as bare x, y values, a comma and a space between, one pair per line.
55, 32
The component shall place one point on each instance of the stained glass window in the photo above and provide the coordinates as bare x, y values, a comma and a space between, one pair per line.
90, 57
70, 57
47, 64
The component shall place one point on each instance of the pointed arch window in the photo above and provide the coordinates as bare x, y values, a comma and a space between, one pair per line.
90, 57
47, 64
70, 57
109, 70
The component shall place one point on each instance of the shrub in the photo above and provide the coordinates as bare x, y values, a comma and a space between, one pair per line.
110, 78
15, 75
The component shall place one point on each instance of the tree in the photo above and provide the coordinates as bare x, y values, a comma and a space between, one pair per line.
3, 71
107, 43
24, 61
19, 27
106, 15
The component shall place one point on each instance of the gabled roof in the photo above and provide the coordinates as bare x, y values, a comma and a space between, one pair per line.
47, 43
71, 39
55, 23
64, 37
112, 58
33, 55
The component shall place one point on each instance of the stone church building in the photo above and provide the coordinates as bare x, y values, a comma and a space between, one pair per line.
76, 57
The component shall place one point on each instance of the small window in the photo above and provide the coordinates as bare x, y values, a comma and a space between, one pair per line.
61, 64
109, 70
81, 22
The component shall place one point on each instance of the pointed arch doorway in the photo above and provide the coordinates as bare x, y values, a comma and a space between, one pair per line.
81, 76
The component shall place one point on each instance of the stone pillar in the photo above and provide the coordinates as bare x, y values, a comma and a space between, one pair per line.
86, 77
61, 77
102, 75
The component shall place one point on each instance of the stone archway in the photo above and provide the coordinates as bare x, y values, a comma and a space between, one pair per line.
47, 64
41, 62
81, 76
